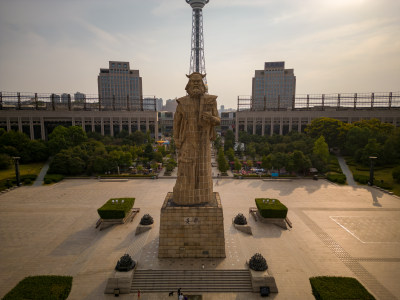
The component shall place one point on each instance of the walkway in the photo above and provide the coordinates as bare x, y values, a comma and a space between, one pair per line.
346, 171
39, 180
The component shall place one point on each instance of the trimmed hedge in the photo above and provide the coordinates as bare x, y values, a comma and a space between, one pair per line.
50, 178
338, 178
363, 179
271, 210
326, 287
41, 288
116, 210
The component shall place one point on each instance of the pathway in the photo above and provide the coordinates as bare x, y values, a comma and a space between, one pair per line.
346, 171
39, 180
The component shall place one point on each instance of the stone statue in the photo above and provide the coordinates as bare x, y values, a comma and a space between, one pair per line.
194, 121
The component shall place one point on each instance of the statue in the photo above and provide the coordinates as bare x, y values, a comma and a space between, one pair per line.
194, 121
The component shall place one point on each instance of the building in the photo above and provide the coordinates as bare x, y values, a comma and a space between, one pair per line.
170, 105
159, 104
274, 87
79, 97
64, 98
120, 87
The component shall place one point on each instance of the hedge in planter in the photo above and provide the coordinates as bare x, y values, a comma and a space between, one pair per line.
41, 288
116, 208
326, 287
271, 208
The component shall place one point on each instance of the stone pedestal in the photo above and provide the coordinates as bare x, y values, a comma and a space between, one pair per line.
191, 231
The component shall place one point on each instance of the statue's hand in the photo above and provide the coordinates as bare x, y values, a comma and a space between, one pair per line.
206, 116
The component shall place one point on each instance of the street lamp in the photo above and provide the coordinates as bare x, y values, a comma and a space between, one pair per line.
16, 163
371, 170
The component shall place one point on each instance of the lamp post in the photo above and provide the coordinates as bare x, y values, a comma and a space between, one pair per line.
371, 170
16, 163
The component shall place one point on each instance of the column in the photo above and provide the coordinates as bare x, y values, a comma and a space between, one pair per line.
290, 123
43, 134
31, 131
19, 124
394, 121
281, 126
299, 126
263, 126
129, 125
147, 124
156, 127
93, 127
8, 124
254, 125
309, 120
237, 128
120, 124
102, 125
138, 123
272, 127
83, 124
111, 126
73, 121
245, 124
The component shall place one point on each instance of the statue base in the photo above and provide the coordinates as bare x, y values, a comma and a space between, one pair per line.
191, 231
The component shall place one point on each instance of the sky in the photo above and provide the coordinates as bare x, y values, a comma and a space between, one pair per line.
334, 46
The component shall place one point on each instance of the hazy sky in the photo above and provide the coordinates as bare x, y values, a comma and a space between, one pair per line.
334, 46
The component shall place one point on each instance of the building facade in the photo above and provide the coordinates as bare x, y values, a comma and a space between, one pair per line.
119, 86
274, 87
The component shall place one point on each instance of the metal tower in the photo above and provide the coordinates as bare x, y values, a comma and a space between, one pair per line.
197, 62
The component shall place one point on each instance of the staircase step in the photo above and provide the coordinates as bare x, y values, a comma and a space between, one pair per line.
192, 280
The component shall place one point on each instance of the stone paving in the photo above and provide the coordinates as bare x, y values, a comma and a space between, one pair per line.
337, 230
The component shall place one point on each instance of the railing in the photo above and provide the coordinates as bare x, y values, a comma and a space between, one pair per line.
390, 100
37, 101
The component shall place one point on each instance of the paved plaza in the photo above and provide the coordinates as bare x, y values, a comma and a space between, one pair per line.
337, 230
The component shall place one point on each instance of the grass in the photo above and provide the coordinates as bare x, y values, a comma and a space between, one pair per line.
271, 208
41, 288
33, 168
327, 288
382, 173
116, 210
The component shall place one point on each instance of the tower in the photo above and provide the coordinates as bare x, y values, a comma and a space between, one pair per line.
197, 62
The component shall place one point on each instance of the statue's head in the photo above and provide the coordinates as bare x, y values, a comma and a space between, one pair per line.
195, 86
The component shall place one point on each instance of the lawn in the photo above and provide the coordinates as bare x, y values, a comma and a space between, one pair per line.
33, 168
384, 174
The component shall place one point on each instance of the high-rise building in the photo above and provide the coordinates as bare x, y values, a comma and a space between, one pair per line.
274, 87
118, 84
64, 98
170, 105
159, 104
79, 97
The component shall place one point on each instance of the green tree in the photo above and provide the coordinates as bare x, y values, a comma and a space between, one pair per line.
356, 138
237, 165
229, 140
230, 154
5, 161
301, 163
373, 148
222, 163
251, 150
148, 151
396, 174
321, 149
63, 138
334, 131
138, 137
266, 162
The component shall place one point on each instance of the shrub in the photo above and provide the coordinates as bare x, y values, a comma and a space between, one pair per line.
326, 287
5, 161
27, 181
258, 263
363, 179
240, 219
271, 208
117, 209
53, 178
41, 288
383, 184
146, 220
336, 177
396, 174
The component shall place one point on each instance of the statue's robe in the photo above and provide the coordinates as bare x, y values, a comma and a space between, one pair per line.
192, 136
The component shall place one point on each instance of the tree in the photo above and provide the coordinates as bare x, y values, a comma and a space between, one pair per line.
5, 161
373, 148
301, 163
321, 149
222, 163
251, 150
266, 162
356, 138
63, 138
396, 174
230, 154
217, 142
334, 131
237, 165
148, 151
138, 137
229, 140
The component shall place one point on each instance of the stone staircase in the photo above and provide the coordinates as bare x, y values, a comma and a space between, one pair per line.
191, 281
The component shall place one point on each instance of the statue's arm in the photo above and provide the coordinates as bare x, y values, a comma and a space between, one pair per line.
178, 117
215, 120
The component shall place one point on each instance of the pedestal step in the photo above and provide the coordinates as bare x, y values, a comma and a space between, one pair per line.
191, 281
